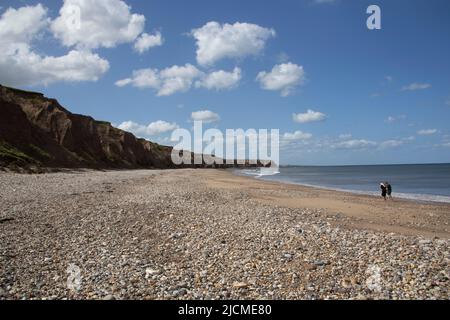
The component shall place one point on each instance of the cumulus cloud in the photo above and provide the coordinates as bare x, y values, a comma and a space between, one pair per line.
206, 116
416, 86
220, 80
154, 128
20, 65
177, 79
283, 77
296, 136
102, 23
354, 144
426, 132
166, 82
217, 41
20, 26
146, 41
180, 79
309, 116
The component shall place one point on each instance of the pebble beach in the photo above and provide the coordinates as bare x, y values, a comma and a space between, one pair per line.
206, 234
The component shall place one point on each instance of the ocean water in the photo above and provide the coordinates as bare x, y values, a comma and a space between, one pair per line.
423, 182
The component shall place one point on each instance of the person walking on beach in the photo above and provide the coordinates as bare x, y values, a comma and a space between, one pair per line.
383, 191
388, 189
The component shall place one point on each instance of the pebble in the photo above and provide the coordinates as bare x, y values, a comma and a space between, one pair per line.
240, 285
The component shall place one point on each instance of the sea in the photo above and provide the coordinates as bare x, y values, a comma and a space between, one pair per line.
421, 182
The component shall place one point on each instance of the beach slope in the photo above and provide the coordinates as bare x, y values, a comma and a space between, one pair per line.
206, 234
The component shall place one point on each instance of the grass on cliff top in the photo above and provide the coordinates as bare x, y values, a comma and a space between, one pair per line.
22, 91
103, 123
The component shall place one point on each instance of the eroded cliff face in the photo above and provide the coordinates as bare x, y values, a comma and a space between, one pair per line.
38, 132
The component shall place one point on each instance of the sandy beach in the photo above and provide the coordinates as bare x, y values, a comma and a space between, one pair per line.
207, 234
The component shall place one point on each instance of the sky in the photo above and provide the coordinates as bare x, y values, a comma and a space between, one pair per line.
339, 93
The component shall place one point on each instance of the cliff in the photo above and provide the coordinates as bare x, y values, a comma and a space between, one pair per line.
37, 132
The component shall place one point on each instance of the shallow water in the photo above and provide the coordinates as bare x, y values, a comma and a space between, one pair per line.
425, 182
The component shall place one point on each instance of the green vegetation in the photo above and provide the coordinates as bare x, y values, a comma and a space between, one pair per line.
10, 153
40, 152
158, 147
103, 123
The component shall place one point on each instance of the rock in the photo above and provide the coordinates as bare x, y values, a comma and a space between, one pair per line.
288, 256
151, 272
311, 267
240, 285
346, 283
109, 297
179, 292
321, 263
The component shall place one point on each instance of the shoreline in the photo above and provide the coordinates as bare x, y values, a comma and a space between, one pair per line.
419, 198
364, 210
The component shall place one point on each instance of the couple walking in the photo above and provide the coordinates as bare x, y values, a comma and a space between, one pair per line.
386, 190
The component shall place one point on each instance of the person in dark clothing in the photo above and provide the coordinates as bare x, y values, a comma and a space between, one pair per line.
388, 189
383, 191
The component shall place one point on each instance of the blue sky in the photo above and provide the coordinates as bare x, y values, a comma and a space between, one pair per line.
375, 96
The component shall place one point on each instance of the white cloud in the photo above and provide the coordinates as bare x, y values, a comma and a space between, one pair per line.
345, 136
159, 127
144, 78
309, 116
427, 132
103, 23
166, 82
20, 26
177, 79
354, 144
391, 144
216, 41
20, 65
206, 116
220, 80
416, 86
283, 77
154, 128
296, 136
180, 79
147, 41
